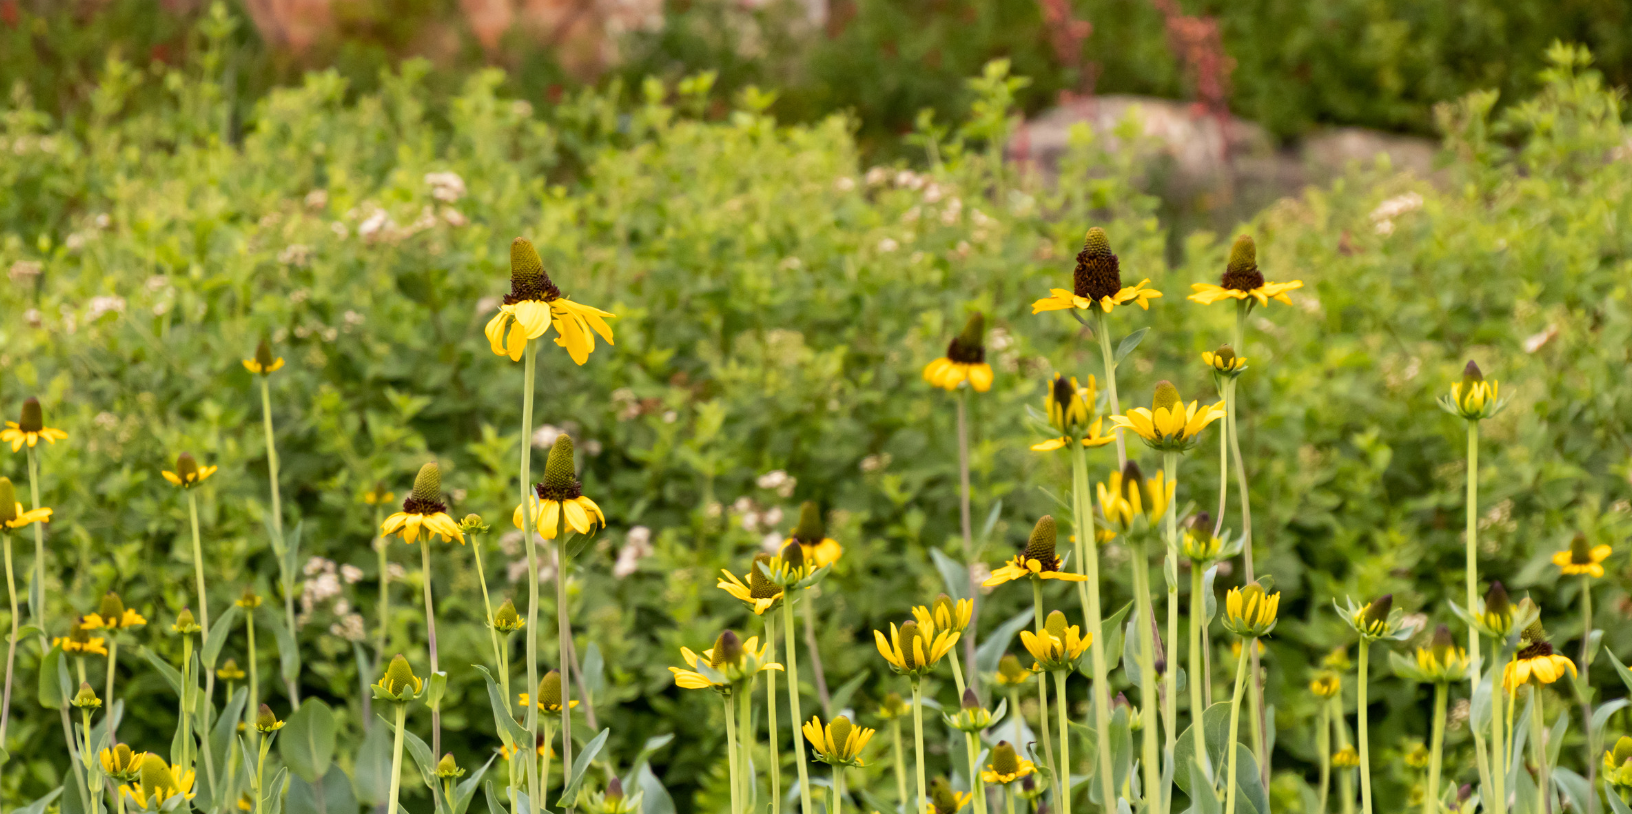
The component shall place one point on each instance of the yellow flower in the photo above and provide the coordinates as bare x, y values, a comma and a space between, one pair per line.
12, 515
122, 764
230, 671
945, 614
1579, 559
1250, 611
1058, 646
1037, 560
1169, 424
262, 362
755, 590
728, 662
113, 615
534, 304
1618, 764
811, 534
399, 683
1199, 545
379, 496
893, 707
423, 511
1535, 661
965, 360
30, 428
249, 600
86, 697
188, 473
1224, 361
506, 620
911, 651
1128, 500
265, 722
1070, 409
839, 743
943, 800
1442, 662
1007, 765
185, 624
1096, 281
158, 783
1417, 755
549, 694
1327, 684
448, 769
1346, 758
559, 500
1375, 620
1010, 673
1242, 280
1474, 398
79, 640
971, 717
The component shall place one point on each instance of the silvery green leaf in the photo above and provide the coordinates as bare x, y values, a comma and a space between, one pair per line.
991, 650
580, 765
954, 574
1128, 343
1600, 716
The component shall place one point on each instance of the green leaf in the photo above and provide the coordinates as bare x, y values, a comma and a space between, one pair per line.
464, 791
307, 740
54, 684
1574, 786
1615, 803
1620, 669
1600, 716
840, 698
436, 688
172, 676
226, 727
26, 631
1114, 632
331, 796
38, 806
580, 765
510, 732
219, 633
594, 670
288, 651
1209, 597
1249, 785
654, 798
954, 575
1128, 343
371, 777
1204, 800
1216, 731
991, 651
991, 520
494, 804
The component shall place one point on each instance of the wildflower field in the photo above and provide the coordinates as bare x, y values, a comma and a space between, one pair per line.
642, 454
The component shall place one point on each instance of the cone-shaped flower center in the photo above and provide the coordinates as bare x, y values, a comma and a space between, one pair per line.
264, 719
1472, 373
1225, 354
839, 732
1133, 481
32, 420
1377, 612
910, 634
1009, 667
1041, 545
156, 777
811, 530
398, 675
263, 354
1166, 397
8, 501
614, 789
942, 797
1496, 601
549, 689
969, 347
1004, 759
1442, 644
793, 556
1580, 552
1098, 273
560, 474
727, 650
528, 281
1055, 625
112, 607
447, 766
427, 495
186, 467
1242, 273
506, 615
760, 586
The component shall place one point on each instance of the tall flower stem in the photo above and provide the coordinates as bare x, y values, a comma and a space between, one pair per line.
1538, 750
745, 734
1087, 554
957, 671
817, 673
204, 625
542, 764
396, 758
1065, 744
563, 629
975, 784
1149, 695
793, 707
917, 742
260, 775
1430, 804
1500, 726
253, 702
1230, 744
1104, 334
430, 635
11, 645
966, 524
1365, 739
1345, 780
1234, 430
88, 757
287, 579
1197, 677
1586, 697
36, 596
528, 534
107, 687
733, 756
838, 789
487, 602
900, 762
1170, 574
1323, 745
775, 769
1042, 689
184, 718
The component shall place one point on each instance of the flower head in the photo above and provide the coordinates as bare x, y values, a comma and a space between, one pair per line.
912, 651
160, 786
535, 304
1535, 662
1037, 560
473, 524
1242, 280
1058, 646
1096, 282
185, 624
86, 697
506, 620
188, 473
1346, 758
1010, 673
1474, 398
549, 694
1131, 503
266, 722
971, 717
424, 511
12, 515
399, 683
1326, 684
755, 589
1618, 765
944, 614
1441, 662
1169, 425
121, 763
230, 671
1071, 414
262, 362
1378, 619
965, 359
378, 495
613, 800
559, 500
1199, 545
839, 743
943, 800
811, 534
893, 706
1251, 611
448, 769
1581, 558
112, 614
30, 427
1224, 362
80, 641
730, 662
1006, 765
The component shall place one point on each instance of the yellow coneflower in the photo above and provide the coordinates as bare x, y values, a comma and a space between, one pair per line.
1058, 646
30, 428
424, 511
1128, 500
943, 800
1337, 659
755, 589
248, 600
1198, 544
1617, 769
12, 515
728, 662
1069, 409
1242, 280
378, 495
1224, 361
1096, 282
911, 651
613, 800
1442, 662
839, 743
1007, 765
1579, 559
262, 362
1376, 619
945, 614
1010, 673
1250, 611
266, 722
971, 718
1416, 755
506, 620
1499, 617
1326, 684
121, 763
534, 304
188, 473
158, 783
1169, 425
1037, 560
398, 684
549, 694
1346, 758
1535, 662
113, 615
1474, 398
965, 360
185, 624
85, 698
811, 534
559, 500
230, 671
80, 641
448, 768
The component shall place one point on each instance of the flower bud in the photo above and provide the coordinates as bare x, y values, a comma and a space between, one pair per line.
614, 789
727, 650
811, 530
263, 356
399, 676
1376, 613
793, 556
506, 619
186, 467
86, 697
970, 700
265, 721
447, 768
185, 623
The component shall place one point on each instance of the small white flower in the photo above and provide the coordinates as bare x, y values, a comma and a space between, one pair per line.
317, 199
350, 627
771, 543
295, 254
24, 271
103, 305
351, 574
773, 479
318, 565
750, 522
875, 463
670, 417
888, 245
876, 176
339, 229
544, 437
446, 186
1535, 341
844, 184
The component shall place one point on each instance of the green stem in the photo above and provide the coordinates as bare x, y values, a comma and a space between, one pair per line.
775, 769
528, 533
957, 671
396, 759
745, 734
36, 597
184, 716
430, 634
838, 789
1345, 778
292, 678
1149, 698
975, 784
1489, 774
1065, 743
1585, 686
733, 757
1499, 729
797, 719
816, 671
1103, 332
1232, 427
107, 687
1430, 804
88, 757
1365, 738
967, 526
1323, 745
1231, 743
1087, 552
252, 704
380, 548
1008, 797
198, 568
542, 765
487, 602
900, 762
563, 629
1042, 688
260, 774
1197, 677
11, 645
917, 741
1538, 750
1170, 575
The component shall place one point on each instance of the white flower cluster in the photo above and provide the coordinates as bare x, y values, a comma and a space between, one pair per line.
1388, 211
637, 545
777, 481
